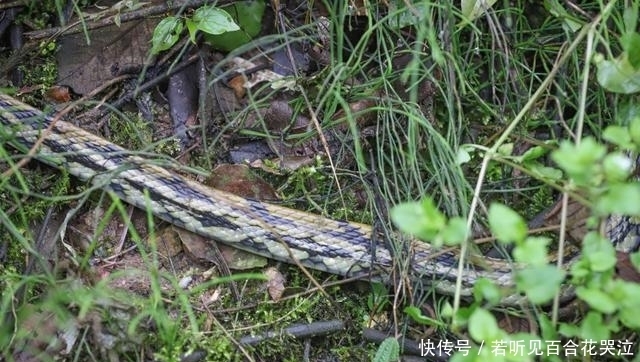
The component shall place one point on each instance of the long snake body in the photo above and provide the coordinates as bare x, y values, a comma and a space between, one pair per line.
284, 234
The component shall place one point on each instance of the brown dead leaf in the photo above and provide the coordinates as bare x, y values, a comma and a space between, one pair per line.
201, 249
239, 180
169, 243
237, 84
113, 51
58, 94
275, 283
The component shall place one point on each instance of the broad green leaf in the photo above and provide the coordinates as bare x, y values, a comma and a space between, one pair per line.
389, 351
549, 173
416, 314
533, 251
569, 330
617, 166
506, 149
597, 299
618, 135
462, 156
626, 293
580, 269
455, 232
620, 199
580, 161
447, 310
539, 283
485, 289
506, 225
547, 330
213, 20
593, 327
166, 34
248, 16
483, 326
599, 252
618, 75
631, 44
192, 29
421, 219
532, 154
630, 317
471, 9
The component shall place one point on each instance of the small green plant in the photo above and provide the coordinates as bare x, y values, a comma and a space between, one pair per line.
225, 27
208, 19
604, 177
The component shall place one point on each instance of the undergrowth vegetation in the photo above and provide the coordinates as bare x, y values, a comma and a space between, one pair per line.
457, 125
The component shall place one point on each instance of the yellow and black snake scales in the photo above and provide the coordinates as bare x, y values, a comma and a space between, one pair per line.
337, 247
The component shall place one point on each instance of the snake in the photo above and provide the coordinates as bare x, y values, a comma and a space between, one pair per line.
288, 235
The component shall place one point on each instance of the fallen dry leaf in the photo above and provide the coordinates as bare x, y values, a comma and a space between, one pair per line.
275, 283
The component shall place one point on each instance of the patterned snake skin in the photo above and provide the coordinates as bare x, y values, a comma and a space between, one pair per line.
276, 232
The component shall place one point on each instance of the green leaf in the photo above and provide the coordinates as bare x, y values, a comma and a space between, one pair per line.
599, 252
593, 327
597, 299
389, 351
248, 15
192, 28
506, 149
484, 289
620, 199
471, 9
617, 166
416, 314
462, 156
447, 310
618, 135
580, 161
631, 44
533, 251
626, 293
547, 329
630, 317
166, 34
618, 75
580, 269
483, 326
569, 330
549, 173
532, 154
455, 232
539, 283
422, 220
212, 20
506, 225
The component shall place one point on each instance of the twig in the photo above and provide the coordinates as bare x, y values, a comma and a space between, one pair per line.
297, 331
